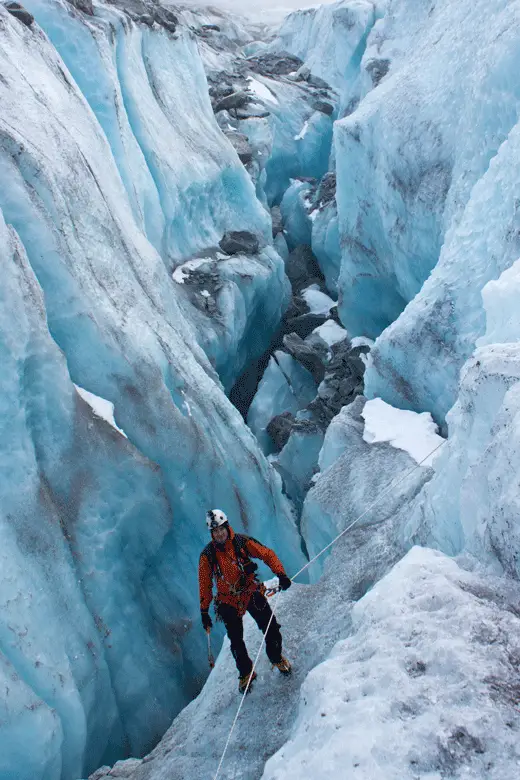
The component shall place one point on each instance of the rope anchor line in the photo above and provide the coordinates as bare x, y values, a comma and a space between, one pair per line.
393, 484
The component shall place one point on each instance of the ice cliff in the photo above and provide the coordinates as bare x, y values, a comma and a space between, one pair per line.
113, 171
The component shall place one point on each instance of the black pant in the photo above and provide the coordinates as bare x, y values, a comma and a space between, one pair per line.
260, 611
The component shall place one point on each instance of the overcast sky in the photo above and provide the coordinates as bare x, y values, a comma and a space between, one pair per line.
266, 10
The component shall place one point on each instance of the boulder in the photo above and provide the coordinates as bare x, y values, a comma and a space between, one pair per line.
275, 64
283, 425
377, 69
307, 354
304, 324
19, 12
233, 101
303, 269
276, 216
280, 428
83, 5
323, 107
240, 242
326, 191
242, 146
315, 81
343, 381
166, 19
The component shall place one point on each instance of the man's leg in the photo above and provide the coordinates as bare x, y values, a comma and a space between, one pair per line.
260, 611
235, 632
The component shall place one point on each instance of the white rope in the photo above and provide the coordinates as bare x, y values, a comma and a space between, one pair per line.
393, 484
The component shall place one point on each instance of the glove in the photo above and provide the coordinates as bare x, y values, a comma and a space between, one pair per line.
206, 621
285, 582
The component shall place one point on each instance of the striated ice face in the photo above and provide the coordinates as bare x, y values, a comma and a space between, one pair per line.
101, 194
426, 171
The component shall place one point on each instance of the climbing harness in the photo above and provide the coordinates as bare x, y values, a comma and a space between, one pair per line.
245, 565
392, 485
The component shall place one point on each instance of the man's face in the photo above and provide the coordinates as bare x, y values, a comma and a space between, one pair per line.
220, 534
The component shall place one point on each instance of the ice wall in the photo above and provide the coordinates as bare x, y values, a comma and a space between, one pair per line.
331, 40
148, 90
99, 628
352, 476
472, 503
425, 171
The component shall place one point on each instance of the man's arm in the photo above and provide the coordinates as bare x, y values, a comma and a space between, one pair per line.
205, 586
268, 556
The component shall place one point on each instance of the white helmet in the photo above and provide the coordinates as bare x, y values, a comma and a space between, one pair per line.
215, 518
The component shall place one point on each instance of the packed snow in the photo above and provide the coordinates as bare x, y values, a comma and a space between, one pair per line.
414, 433
318, 301
101, 407
303, 132
261, 90
331, 333
423, 687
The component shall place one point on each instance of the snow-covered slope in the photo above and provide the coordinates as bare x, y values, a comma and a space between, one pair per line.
425, 685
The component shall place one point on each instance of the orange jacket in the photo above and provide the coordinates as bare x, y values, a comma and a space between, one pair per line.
229, 589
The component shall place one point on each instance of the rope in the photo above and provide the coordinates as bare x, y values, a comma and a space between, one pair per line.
392, 485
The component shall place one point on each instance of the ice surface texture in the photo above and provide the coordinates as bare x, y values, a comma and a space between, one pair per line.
352, 475
331, 40
426, 171
473, 501
286, 386
99, 626
422, 688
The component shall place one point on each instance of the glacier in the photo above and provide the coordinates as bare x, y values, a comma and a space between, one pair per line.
197, 211
101, 534
417, 213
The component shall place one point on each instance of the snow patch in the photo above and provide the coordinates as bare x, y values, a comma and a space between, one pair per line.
303, 132
101, 408
261, 91
414, 433
331, 332
362, 341
317, 301
182, 271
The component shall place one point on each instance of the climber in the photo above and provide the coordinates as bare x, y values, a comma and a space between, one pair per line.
227, 558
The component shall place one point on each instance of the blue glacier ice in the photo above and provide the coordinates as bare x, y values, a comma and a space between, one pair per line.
393, 153
286, 386
297, 463
298, 137
325, 244
416, 209
149, 93
472, 502
99, 627
331, 40
295, 213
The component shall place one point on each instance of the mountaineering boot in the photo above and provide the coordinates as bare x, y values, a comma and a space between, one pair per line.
243, 682
284, 666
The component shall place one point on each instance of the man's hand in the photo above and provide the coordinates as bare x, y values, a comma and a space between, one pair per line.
285, 582
207, 622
